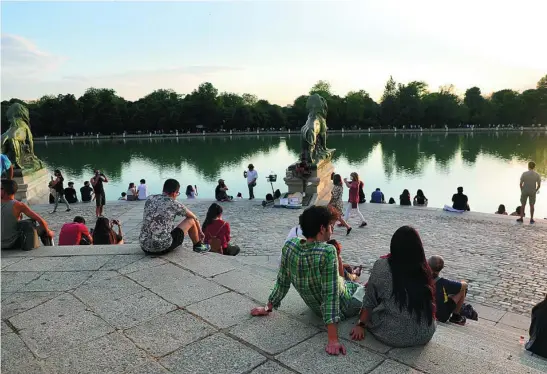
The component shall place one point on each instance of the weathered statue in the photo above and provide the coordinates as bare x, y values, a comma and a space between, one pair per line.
17, 141
314, 132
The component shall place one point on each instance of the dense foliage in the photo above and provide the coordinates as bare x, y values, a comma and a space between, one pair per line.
205, 109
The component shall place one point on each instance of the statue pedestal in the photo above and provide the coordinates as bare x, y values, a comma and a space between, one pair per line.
318, 184
32, 185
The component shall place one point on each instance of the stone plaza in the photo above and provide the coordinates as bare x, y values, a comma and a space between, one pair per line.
111, 309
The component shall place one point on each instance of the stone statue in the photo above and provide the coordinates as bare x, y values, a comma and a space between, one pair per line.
17, 141
314, 132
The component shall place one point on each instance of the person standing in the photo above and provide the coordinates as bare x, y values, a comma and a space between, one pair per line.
353, 186
100, 197
336, 200
530, 182
252, 176
57, 185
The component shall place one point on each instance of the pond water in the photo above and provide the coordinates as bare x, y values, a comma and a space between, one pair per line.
487, 165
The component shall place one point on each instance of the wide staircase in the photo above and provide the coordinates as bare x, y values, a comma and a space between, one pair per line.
222, 290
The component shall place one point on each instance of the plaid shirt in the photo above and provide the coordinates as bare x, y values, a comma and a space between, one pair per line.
312, 268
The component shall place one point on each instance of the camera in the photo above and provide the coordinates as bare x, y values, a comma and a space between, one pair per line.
271, 178
244, 173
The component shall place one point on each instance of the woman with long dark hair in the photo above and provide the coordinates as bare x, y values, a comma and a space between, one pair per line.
399, 303
104, 234
57, 185
404, 199
191, 191
132, 192
353, 186
420, 199
217, 232
336, 200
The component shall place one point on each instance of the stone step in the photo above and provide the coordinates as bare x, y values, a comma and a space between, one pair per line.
487, 348
486, 332
441, 358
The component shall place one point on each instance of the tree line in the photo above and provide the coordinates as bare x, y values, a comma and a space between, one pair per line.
101, 110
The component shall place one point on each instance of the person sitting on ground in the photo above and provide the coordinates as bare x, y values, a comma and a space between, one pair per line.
191, 191
132, 194
450, 295
142, 190
460, 201
517, 211
123, 197
239, 196
404, 198
347, 271
220, 191
311, 266
391, 200
87, 192
15, 231
158, 234
420, 199
75, 233
399, 303
217, 232
70, 193
377, 197
501, 210
537, 343
104, 234
362, 198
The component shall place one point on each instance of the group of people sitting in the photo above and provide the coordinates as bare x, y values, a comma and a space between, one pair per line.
398, 305
76, 232
135, 193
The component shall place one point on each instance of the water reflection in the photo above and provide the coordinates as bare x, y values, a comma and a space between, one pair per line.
424, 159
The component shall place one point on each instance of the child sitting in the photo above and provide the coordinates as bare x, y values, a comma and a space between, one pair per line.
345, 270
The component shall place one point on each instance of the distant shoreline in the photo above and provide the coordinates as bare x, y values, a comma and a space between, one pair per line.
285, 132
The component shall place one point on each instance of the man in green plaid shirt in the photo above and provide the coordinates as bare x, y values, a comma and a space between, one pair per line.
311, 266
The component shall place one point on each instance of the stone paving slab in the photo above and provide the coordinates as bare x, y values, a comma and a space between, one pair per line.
498, 257
144, 314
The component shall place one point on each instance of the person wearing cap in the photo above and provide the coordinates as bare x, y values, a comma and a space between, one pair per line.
220, 191
252, 176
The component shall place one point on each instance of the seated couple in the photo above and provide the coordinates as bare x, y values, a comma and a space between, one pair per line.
398, 307
76, 232
159, 235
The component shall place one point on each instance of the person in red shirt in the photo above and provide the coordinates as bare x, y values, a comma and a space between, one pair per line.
217, 232
353, 186
75, 233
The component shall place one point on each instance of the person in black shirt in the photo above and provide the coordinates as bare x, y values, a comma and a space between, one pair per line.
86, 192
460, 201
57, 185
70, 193
404, 198
220, 191
100, 198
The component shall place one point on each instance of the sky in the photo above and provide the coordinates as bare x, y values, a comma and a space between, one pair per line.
274, 49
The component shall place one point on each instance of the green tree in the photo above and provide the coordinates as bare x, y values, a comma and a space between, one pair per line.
542, 83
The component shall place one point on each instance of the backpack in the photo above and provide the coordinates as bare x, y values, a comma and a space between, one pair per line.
215, 243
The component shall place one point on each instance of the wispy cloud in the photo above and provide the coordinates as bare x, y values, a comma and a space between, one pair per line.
21, 58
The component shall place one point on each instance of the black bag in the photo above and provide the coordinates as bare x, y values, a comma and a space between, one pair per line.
28, 234
538, 330
469, 312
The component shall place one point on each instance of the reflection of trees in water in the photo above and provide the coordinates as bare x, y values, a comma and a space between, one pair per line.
407, 153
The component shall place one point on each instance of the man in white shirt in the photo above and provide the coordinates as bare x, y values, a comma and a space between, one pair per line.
252, 176
142, 190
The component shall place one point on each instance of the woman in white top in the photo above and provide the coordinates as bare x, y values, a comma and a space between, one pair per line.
142, 190
191, 192
131, 192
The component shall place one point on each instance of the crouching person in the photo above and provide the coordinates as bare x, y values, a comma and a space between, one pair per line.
18, 233
75, 233
159, 235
